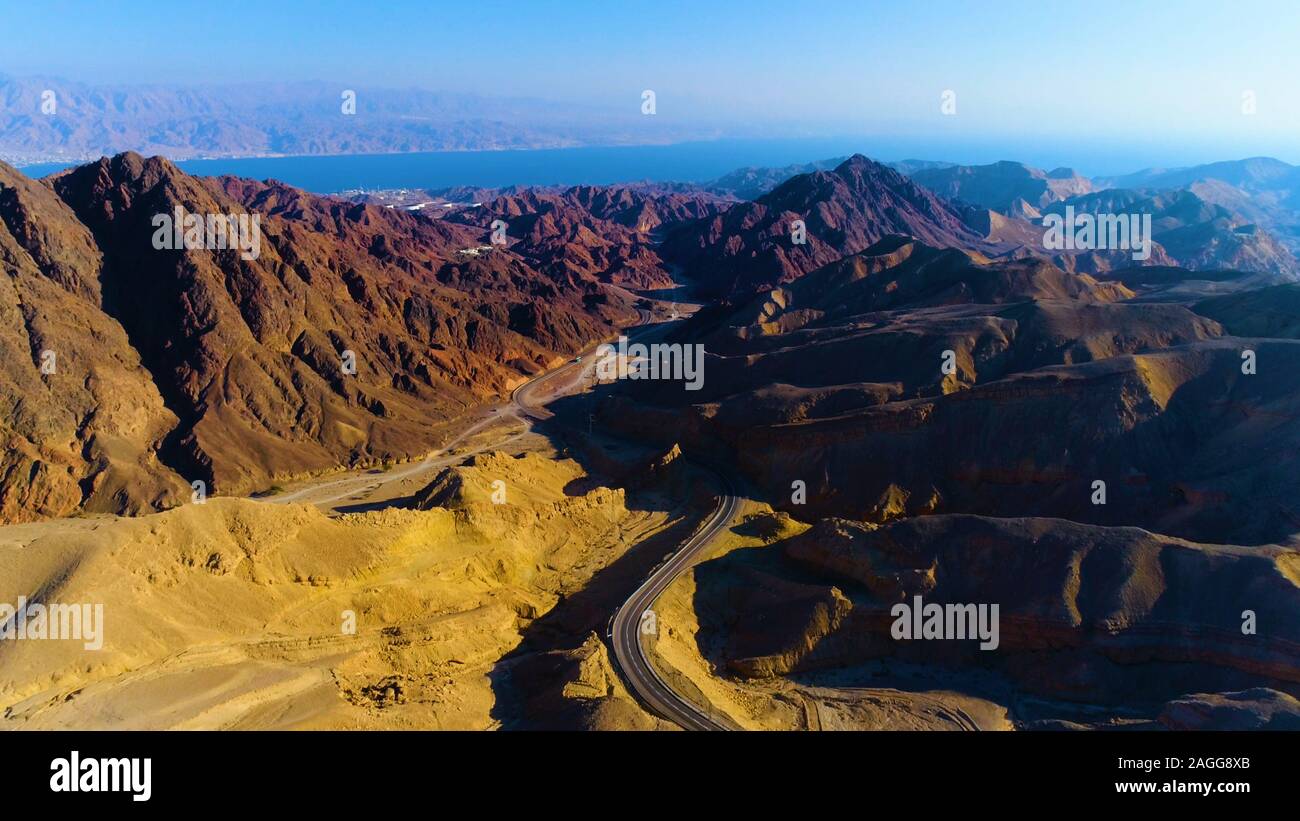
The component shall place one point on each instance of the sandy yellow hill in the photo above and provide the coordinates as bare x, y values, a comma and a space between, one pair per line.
239, 614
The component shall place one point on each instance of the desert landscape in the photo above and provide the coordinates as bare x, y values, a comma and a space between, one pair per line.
474, 527
620, 371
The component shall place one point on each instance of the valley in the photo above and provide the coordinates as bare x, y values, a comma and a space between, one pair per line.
373, 476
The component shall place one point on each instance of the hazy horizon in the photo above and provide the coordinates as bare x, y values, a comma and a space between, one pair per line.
906, 369
1108, 89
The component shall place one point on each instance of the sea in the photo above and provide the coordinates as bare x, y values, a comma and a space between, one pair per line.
700, 161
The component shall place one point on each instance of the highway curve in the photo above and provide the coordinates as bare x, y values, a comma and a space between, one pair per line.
625, 633
629, 656
625, 636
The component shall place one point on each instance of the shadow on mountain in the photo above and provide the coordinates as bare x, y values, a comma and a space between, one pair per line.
1095, 622
528, 683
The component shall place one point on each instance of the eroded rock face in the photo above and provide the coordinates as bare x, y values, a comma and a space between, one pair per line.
82, 420
748, 247
909, 380
579, 688
352, 334
1083, 609
1179, 437
1256, 709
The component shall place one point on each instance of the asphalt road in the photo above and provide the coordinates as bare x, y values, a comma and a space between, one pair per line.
625, 636
625, 631
519, 406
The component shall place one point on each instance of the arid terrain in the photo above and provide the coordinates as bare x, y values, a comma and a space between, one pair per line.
375, 477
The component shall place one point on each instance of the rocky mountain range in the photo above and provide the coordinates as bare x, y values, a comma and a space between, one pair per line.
610, 233
1241, 214
46, 119
985, 210
1188, 230
1262, 190
843, 368
170, 366
1086, 451
756, 245
919, 399
1003, 186
439, 319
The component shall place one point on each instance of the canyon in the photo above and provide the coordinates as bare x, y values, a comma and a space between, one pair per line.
394, 418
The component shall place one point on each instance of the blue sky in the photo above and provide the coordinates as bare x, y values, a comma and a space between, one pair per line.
1116, 73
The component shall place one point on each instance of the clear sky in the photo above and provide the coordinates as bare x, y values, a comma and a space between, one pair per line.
1168, 73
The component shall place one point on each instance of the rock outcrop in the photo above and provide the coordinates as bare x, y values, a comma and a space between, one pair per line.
350, 335
1081, 608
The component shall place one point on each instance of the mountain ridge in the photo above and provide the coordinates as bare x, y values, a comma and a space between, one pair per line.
238, 363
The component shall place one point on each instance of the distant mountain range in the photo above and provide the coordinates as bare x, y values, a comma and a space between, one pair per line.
153, 347
742, 239
1003, 186
89, 121
994, 211
1258, 192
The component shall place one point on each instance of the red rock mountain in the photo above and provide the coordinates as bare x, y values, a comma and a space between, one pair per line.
610, 233
175, 366
83, 432
1056, 380
750, 247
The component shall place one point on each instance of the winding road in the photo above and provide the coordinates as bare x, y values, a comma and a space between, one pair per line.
625, 631
629, 655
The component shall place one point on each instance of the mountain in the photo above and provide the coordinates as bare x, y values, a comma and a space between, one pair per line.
183, 122
1093, 615
899, 272
909, 167
1193, 232
1002, 185
928, 415
751, 182
1268, 312
177, 366
746, 183
85, 435
1055, 380
751, 246
1263, 190
1255, 174
994, 210
606, 232
1199, 222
